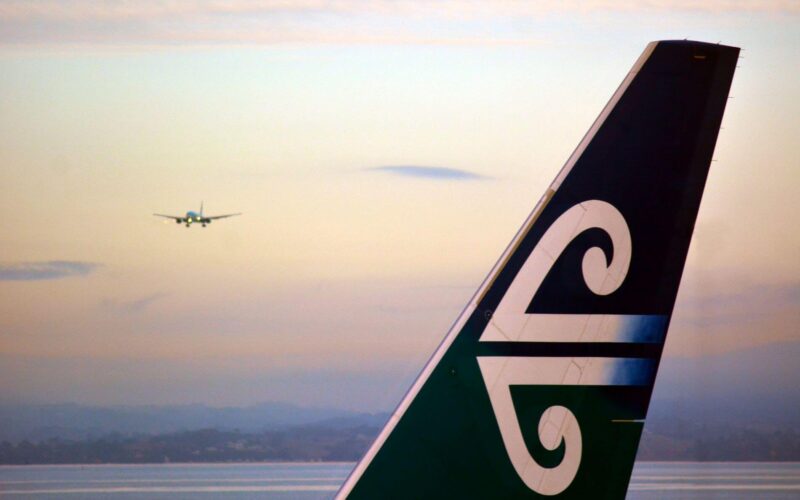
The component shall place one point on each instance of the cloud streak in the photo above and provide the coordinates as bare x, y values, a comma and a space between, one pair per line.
742, 318
270, 22
467, 9
434, 173
132, 306
48, 270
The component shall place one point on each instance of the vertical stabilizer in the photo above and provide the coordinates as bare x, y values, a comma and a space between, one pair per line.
541, 387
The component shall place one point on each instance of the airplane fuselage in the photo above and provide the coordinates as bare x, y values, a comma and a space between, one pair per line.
192, 218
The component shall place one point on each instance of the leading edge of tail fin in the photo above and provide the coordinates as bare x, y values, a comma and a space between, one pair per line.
542, 385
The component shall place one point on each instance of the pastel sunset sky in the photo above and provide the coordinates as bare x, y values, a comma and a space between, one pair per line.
383, 154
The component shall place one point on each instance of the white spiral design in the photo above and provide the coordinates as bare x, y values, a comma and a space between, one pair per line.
601, 277
557, 424
508, 322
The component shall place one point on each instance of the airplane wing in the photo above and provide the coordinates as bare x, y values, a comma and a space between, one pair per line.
222, 216
173, 217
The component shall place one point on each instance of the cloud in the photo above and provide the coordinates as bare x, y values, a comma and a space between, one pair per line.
48, 270
436, 173
269, 22
740, 318
761, 299
132, 306
183, 9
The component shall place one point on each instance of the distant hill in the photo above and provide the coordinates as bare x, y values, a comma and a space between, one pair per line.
682, 440
78, 422
736, 406
662, 440
757, 386
306, 443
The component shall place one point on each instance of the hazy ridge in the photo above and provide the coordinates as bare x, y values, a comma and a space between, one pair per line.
743, 405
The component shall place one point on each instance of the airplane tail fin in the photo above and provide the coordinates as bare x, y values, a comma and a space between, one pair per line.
201, 209
542, 385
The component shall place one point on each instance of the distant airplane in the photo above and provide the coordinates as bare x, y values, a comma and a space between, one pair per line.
541, 387
195, 217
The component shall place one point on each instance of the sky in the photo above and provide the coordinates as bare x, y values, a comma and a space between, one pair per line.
383, 155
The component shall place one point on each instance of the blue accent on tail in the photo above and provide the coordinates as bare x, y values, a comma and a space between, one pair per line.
644, 328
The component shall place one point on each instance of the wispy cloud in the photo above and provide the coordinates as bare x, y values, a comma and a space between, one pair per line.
47, 270
132, 306
268, 22
740, 318
158, 9
436, 173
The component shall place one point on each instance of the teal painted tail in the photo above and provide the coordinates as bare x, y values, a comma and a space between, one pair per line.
541, 387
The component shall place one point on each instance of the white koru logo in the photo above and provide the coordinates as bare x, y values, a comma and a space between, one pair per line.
508, 324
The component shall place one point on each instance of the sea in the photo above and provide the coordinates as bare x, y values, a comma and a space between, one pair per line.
650, 480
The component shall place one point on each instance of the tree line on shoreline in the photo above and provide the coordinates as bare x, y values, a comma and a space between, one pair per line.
672, 440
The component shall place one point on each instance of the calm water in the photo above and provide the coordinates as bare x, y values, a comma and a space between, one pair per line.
651, 480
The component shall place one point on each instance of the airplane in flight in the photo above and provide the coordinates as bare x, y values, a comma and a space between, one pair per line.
541, 387
196, 217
